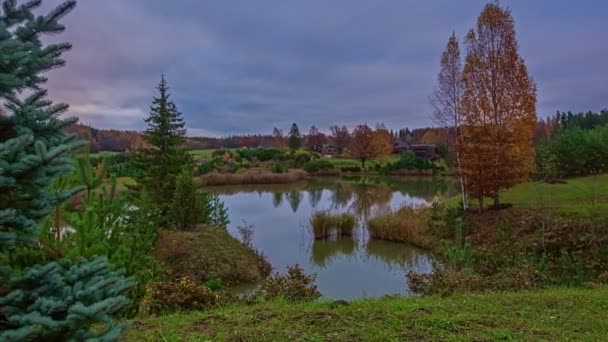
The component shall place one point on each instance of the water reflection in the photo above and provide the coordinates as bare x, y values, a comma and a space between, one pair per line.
346, 267
324, 251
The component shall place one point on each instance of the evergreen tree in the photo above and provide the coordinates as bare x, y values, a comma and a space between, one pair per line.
166, 134
191, 207
295, 140
60, 300
186, 206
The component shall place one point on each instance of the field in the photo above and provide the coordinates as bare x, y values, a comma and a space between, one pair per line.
556, 314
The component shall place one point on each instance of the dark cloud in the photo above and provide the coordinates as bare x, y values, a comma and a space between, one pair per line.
246, 66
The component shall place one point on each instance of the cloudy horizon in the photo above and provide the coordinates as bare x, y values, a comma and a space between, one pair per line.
238, 67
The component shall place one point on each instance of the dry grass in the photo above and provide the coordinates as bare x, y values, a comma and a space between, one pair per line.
409, 224
253, 177
325, 224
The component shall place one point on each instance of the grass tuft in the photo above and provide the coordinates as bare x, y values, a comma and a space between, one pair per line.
409, 224
325, 224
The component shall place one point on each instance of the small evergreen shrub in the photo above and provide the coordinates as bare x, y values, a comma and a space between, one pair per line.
190, 207
278, 168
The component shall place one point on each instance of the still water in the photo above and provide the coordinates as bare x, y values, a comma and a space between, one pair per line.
346, 268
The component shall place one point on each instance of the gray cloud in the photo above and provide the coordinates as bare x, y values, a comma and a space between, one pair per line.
240, 66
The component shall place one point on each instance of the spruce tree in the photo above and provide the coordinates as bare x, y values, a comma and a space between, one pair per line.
60, 300
295, 140
164, 160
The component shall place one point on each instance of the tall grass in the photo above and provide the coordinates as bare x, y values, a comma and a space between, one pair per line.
324, 224
253, 177
409, 224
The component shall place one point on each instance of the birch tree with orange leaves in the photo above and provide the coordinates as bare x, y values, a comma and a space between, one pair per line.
498, 108
446, 103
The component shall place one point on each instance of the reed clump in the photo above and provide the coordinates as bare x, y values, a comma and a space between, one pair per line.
325, 224
253, 177
409, 224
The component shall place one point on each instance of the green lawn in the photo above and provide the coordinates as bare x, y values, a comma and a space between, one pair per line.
578, 196
554, 315
346, 162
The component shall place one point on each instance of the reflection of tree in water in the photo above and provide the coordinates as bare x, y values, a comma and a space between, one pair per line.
398, 255
341, 195
367, 197
323, 251
294, 198
315, 196
277, 199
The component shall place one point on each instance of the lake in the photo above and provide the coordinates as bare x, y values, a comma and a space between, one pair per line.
346, 268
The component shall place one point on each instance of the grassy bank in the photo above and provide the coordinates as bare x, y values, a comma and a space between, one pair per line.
209, 252
576, 196
556, 314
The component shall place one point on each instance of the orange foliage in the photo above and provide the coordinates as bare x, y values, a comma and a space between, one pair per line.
498, 107
366, 143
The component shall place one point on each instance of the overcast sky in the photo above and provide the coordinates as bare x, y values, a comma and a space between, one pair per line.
247, 66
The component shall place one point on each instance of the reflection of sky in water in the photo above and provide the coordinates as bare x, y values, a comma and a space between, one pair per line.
347, 268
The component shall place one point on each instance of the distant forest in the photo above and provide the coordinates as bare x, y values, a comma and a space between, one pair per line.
120, 141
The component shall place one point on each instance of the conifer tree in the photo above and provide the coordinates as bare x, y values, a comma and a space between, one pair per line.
295, 139
166, 133
60, 300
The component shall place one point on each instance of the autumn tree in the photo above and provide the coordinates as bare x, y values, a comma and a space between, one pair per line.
446, 103
367, 144
278, 141
383, 141
340, 137
315, 137
498, 108
295, 139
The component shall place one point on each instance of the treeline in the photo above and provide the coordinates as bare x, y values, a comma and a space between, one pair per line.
578, 146
108, 139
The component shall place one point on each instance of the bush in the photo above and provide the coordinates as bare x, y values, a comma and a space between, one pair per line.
315, 166
210, 166
260, 154
574, 152
278, 168
181, 295
301, 157
411, 162
294, 286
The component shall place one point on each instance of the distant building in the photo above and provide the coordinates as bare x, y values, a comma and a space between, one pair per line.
426, 151
400, 147
327, 149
